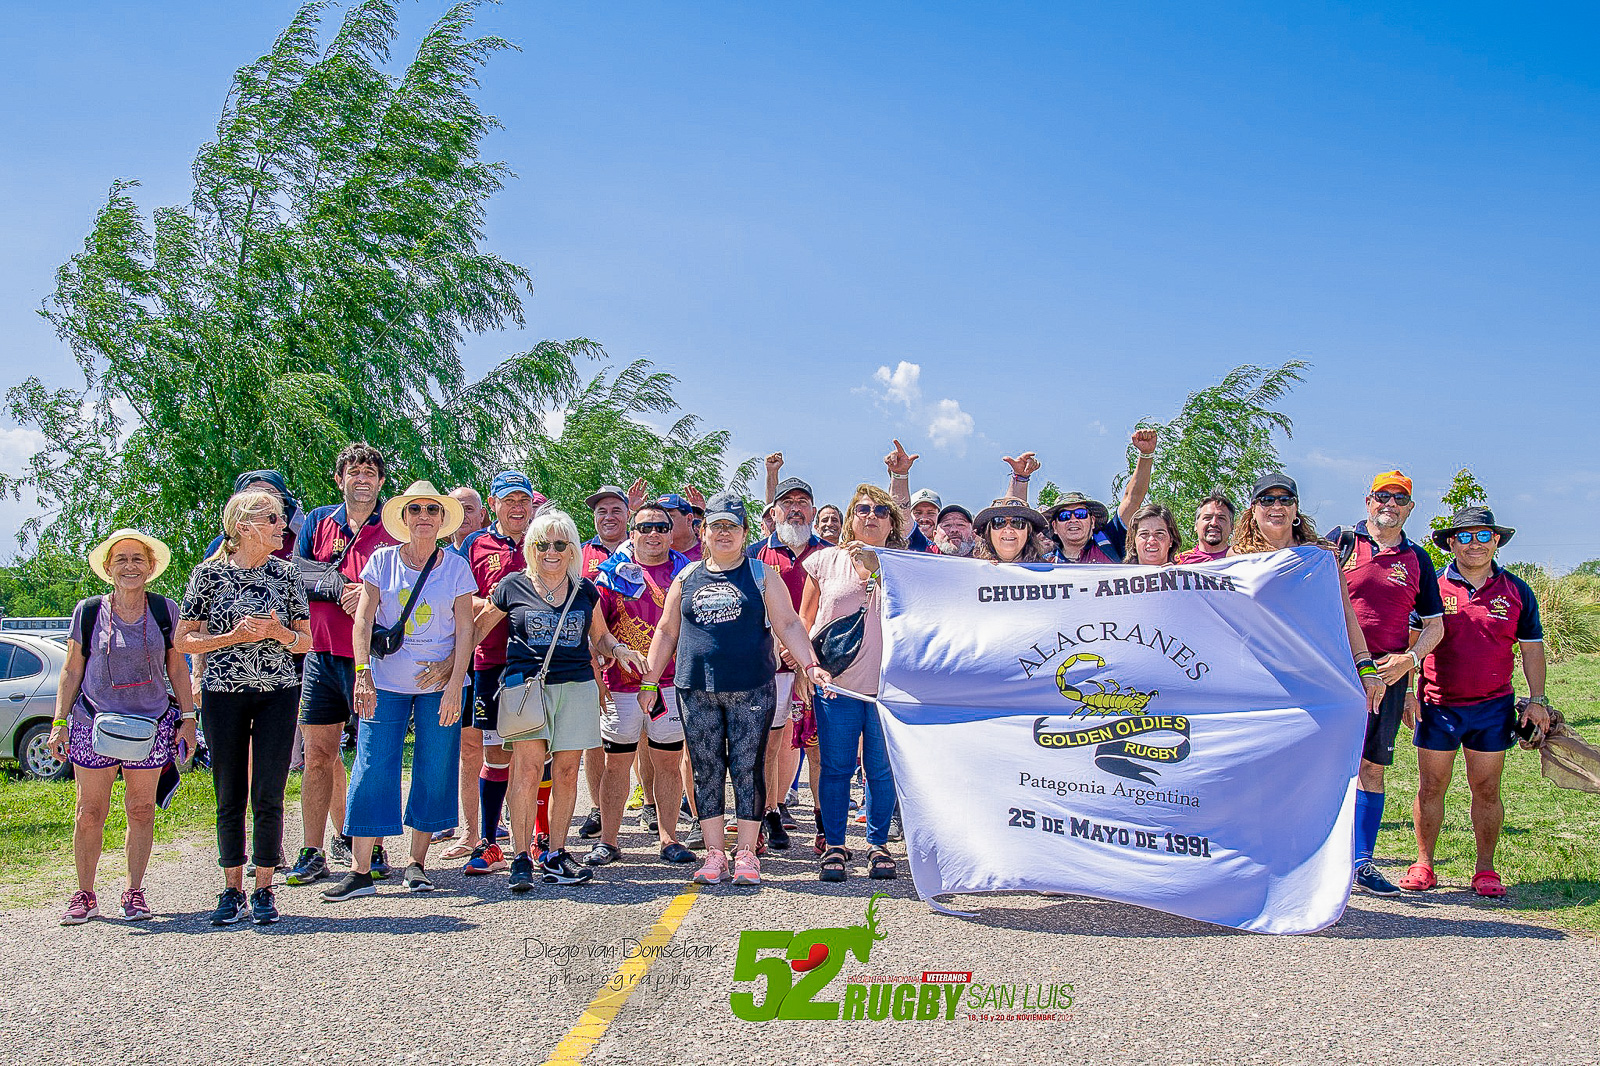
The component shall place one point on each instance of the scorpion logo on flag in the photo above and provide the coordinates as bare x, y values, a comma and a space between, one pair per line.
1108, 697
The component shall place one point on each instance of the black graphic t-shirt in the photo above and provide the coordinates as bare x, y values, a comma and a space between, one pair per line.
221, 595
533, 624
724, 644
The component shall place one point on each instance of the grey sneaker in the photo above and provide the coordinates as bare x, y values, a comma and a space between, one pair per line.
339, 849
416, 878
349, 887
647, 818
602, 854
310, 866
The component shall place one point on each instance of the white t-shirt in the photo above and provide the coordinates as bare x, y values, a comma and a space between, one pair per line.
431, 629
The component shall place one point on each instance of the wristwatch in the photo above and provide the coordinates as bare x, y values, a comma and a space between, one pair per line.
1540, 699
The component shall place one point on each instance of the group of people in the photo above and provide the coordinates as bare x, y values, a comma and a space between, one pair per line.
675, 648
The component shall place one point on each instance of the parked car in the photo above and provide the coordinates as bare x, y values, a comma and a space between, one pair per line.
30, 669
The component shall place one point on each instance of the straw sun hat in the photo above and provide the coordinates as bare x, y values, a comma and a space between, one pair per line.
394, 511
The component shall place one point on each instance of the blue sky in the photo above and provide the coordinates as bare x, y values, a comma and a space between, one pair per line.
1063, 217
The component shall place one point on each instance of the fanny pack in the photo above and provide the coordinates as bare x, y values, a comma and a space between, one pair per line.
124, 737
522, 707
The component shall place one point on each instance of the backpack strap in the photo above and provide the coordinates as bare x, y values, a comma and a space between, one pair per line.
91, 615
158, 610
758, 570
1347, 546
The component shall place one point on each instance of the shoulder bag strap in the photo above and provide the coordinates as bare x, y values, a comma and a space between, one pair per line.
555, 636
416, 590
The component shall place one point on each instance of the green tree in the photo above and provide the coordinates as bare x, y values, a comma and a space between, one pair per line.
602, 439
49, 582
315, 290
1464, 491
1222, 438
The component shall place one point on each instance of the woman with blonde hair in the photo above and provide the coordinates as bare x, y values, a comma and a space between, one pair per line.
120, 661
245, 611
557, 630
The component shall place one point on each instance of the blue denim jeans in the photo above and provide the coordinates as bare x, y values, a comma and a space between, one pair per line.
842, 722
372, 806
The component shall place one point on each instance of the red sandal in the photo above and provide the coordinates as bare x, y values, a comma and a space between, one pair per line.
1419, 877
1488, 883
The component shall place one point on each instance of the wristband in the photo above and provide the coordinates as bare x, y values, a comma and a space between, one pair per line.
646, 686
363, 666
899, 477
1415, 659
1365, 663
1020, 477
191, 716
59, 722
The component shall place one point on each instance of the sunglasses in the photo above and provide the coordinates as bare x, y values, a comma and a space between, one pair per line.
1010, 523
652, 527
269, 519
431, 509
1482, 536
696, 523
865, 509
1273, 501
724, 527
1401, 498
1069, 512
560, 546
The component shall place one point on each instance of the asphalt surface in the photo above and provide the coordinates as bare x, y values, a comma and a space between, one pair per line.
470, 973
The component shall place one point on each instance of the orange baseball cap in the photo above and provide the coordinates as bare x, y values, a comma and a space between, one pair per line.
1391, 477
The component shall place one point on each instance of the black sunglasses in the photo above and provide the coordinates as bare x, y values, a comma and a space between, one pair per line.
549, 545
1402, 498
424, 508
1270, 501
864, 509
1006, 522
652, 527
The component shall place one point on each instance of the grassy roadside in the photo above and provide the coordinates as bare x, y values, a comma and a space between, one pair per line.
1548, 852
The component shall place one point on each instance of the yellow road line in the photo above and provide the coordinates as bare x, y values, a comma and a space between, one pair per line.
602, 1010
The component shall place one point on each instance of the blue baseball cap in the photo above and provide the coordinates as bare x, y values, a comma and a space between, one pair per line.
673, 502
508, 481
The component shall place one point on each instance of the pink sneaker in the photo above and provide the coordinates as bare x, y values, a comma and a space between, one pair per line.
715, 868
133, 906
746, 867
80, 908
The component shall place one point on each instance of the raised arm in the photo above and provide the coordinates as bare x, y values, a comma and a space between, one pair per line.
774, 467
899, 463
1144, 441
1023, 467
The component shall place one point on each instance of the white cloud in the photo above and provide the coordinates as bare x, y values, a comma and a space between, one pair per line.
902, 385
946, 425
17, 446
949, 426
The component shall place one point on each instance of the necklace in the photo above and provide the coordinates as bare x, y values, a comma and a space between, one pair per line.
546, 592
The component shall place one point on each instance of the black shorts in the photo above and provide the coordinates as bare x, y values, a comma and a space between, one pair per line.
486, 697
327, 691
1384, 726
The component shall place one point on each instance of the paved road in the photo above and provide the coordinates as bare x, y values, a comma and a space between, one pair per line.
470, 974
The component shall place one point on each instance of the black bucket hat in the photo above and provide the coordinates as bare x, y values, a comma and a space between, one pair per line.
1471, 518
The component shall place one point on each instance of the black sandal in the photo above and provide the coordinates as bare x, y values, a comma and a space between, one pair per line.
832, 866
880, 864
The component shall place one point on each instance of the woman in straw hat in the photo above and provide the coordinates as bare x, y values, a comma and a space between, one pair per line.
245, 611
431, 589
120, 660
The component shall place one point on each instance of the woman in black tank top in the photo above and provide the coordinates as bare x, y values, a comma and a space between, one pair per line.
719, 619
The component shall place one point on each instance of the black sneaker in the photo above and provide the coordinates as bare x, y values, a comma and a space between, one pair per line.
230, 907
339, 850
777, 835
602, 854
676, 852
648, 819
416, 879
1370, 879
787, 818
380, 863
353, 884
310, 866
263, 908
591, 825
558, 868
521, 872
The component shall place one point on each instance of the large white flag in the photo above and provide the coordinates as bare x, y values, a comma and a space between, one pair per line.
1185, 739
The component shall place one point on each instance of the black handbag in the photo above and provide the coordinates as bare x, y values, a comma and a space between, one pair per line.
321, 581
838, 644
386, 640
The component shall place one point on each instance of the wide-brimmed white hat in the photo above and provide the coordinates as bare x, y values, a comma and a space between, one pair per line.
99, 553
394, 511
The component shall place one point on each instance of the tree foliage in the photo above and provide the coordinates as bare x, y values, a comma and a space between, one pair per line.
602, 439
1464, 491
47, 583
315, 290
1222, 438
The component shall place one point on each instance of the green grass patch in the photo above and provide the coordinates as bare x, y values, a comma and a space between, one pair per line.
1547, 854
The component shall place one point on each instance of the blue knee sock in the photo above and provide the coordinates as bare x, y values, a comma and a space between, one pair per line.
1369, 818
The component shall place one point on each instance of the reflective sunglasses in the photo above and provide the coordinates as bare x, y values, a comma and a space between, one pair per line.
552, 545
1271, 501
879, 509
1009, 523
1069, 512
1482, 536
431, 509
652, 527
1401, 498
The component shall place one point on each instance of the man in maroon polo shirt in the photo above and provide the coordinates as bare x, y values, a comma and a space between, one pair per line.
494, 554
789, 545
1391, 582
609, 505
1213, 529
347, 533
1467, 698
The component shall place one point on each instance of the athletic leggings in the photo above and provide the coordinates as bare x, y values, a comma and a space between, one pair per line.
726, 734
